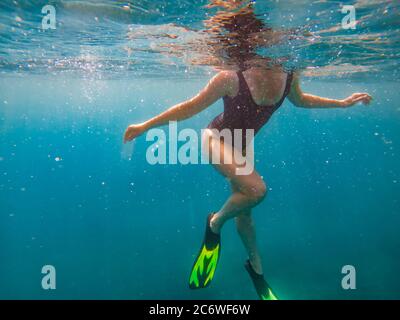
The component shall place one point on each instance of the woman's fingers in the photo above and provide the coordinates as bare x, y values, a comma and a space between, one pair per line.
365, 98
132, 132
359, 97
128, 136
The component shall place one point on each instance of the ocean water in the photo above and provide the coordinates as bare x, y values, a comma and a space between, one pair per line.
115, 227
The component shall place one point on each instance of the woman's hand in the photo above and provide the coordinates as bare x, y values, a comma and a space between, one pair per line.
365, 98
133, 131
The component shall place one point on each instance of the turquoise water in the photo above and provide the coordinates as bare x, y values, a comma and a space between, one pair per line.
115, 227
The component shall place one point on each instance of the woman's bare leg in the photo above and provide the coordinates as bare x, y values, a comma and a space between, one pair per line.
246, 230
251, 190
247, 192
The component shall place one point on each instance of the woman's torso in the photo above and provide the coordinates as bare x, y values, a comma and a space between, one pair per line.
257, 94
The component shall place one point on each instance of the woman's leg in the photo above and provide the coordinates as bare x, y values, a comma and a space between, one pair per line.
247, 232
247, 192
250, 191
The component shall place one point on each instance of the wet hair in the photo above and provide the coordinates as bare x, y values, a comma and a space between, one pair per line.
236, 33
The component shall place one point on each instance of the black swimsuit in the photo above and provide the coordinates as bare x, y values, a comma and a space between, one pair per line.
241, 112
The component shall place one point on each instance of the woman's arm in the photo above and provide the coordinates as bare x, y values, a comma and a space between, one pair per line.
218, 87
305, 100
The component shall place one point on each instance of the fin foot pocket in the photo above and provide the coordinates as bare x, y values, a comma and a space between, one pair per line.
204, 267
263, 289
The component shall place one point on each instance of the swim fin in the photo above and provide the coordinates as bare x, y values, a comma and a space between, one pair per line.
263, 289
206, 262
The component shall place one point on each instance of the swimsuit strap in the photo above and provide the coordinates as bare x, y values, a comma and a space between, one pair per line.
243, 86
287, 89
288, 83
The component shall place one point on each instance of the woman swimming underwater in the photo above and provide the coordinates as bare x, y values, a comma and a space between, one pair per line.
251, 94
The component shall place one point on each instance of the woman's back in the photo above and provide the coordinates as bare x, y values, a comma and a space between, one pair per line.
254, 96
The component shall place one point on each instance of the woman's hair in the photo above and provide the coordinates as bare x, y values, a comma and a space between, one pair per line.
231, 39
235, 33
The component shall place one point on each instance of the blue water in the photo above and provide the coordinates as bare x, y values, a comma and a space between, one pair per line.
115, 227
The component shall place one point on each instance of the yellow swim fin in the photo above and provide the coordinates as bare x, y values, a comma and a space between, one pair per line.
204, 267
